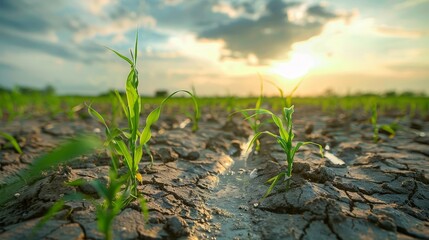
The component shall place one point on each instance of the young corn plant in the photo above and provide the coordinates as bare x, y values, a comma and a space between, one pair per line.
284, 138
391, 128
286, 101
128, 144
375, 128
12, 141
255, 122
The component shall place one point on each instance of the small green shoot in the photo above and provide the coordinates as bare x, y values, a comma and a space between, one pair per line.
284, 138
255, 122
375, 127
129, 144
12, 140
113, 202
391, 128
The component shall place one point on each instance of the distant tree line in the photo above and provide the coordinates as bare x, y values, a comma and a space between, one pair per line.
29, 90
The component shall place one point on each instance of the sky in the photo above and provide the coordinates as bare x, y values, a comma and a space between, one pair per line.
221, 47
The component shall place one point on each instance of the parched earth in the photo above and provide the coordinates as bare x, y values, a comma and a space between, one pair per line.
205, 185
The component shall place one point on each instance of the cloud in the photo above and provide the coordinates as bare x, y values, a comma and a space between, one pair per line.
421, 69
87, 53
399, 32
409, 4
271, 35
117, 27
320, 11
22, 16
7, 67
189, 15
97, 6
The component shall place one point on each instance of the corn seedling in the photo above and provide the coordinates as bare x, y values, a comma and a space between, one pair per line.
255, 122
375, 128
391, 128
130, 143
112, 204
12, 141
286, 101
285, 139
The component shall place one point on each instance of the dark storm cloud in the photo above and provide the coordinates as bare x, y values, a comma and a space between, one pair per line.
54, 49
34, 25
320, 11
25, 24
21, 16
271, 35
191, 15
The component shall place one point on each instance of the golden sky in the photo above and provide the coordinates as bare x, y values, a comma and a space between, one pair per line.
218, 46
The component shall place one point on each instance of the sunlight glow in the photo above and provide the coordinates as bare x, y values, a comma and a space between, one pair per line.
298, 66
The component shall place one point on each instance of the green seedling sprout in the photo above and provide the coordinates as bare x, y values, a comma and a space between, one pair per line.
129, 144
255, 122
112, 203
12, 141
286, 101
391, 129
375, 128
284, 138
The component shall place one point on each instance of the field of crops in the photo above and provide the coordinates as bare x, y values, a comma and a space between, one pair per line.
122, 166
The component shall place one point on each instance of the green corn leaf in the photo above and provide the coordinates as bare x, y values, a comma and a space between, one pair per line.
288, 112
100, 188
98, 116
69, 150
144, 208
197, 114
285, 102
289, 98
151, 119
300, 144
282, 131
124, 150
77, 182
257, 135
273, 181
154, 116
147, 150
12, 140
135, 47
261, 89
389, 129
121, 56
138, 156
112, 135
374, 115
124, 107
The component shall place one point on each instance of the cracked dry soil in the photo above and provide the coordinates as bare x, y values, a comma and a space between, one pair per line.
200, 186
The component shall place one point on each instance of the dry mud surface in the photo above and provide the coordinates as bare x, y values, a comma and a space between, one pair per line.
204, 186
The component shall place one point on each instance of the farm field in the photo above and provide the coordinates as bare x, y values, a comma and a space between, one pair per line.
221, 119
207, 184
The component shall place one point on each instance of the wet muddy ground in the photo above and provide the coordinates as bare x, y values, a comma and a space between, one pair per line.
205, 185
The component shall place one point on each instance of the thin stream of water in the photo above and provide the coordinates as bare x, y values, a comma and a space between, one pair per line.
233, 220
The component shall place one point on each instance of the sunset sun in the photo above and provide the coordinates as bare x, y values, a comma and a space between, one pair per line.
298, 66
